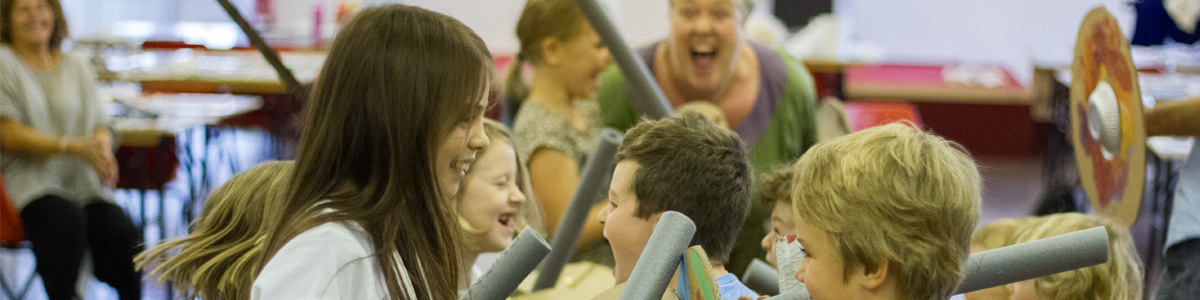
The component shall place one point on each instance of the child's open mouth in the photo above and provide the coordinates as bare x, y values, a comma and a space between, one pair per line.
506, 219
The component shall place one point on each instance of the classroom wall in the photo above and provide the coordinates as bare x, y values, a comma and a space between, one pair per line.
641, 21
1007, 32
1010, 32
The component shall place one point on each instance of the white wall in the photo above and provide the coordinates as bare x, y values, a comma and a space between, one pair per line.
641, 21
1006, 31
997, 31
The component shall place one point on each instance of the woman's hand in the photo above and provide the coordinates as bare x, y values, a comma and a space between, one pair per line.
97, 152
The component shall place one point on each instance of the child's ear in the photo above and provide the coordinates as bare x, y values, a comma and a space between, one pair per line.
874, 279
550, 47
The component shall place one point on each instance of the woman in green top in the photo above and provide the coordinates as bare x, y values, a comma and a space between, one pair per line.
767, 96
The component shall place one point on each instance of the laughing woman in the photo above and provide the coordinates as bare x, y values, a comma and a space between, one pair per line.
767, 96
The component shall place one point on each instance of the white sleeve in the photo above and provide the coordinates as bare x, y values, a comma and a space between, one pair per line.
326, 262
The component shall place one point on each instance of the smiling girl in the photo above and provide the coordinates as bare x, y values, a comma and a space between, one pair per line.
494, 201
559, 120
393, 122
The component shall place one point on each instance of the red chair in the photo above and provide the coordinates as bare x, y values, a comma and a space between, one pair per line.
12, 237
863, 115
147, 168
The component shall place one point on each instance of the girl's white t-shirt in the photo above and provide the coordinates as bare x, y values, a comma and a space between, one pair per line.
334, 260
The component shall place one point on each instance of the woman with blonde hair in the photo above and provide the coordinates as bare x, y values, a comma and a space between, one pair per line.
393, 123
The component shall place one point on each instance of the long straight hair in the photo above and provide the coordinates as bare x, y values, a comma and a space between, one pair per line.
222, 255
396, 81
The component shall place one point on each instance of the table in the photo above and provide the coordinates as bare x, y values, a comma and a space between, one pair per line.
201, 71
182, 117
1162, 72
934, 83
980, 106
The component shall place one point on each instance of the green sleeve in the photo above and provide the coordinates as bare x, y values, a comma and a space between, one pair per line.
793, 126
614, 102
791, 131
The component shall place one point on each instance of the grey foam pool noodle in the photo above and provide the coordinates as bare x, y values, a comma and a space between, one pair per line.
593, 182
761, 277
514, 264
648, 99
1035, 259
662, 255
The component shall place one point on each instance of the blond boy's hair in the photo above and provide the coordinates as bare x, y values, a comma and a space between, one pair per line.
898, 192
1118, 279
999, 233
707, 109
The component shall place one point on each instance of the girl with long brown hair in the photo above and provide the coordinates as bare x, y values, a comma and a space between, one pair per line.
393, 123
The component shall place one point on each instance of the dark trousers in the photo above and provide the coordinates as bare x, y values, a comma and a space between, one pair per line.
1181, 280
59, 231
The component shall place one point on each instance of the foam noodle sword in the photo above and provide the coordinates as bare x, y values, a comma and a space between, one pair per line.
1030, 260
592, 183
648, 99
514, 264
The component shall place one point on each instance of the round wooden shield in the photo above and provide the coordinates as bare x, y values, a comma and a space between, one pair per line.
1112, 179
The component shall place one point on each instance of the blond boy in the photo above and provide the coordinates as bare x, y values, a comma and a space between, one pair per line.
999, 233
885, 213
1120, 278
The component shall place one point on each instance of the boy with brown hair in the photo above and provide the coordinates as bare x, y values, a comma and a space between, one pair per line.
885, 213
774, 190
685, 164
